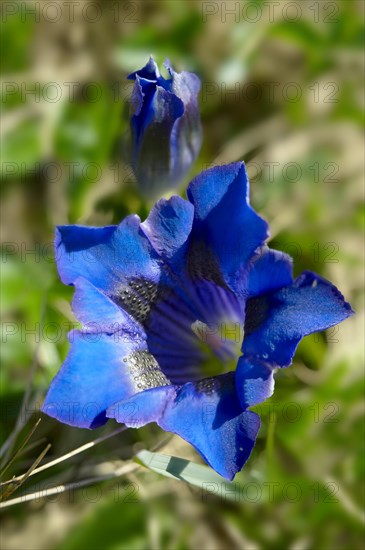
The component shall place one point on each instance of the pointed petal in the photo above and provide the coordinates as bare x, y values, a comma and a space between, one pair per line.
150, 71
269, 270
276, 323
105, 256
224, 220
168, 228
207, 414
95, 375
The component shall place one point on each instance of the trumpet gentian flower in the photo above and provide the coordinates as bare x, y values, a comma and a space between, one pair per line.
191, 287
165, 127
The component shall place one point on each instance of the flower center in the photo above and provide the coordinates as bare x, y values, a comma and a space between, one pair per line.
220, 343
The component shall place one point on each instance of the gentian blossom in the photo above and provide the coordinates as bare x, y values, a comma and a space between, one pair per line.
160, 302
165, 127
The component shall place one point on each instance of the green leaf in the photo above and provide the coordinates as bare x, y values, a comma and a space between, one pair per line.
185, 470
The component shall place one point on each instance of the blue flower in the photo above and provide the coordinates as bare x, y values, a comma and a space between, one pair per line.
165, 127
163, 300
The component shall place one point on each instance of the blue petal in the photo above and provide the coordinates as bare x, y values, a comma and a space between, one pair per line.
137, 98
144, 407
276, 323
269, 270
224, 220
105, 256
168, 228
141, 102
93, 377
149, 71
254, 381
98, 313
185, 85
79, 251
207, 414
186, 136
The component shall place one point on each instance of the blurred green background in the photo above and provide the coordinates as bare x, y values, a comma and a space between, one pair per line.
282, 89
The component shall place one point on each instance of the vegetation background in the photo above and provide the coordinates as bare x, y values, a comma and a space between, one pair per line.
283, 89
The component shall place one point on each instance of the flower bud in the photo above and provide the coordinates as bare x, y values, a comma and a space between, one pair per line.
165, 127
